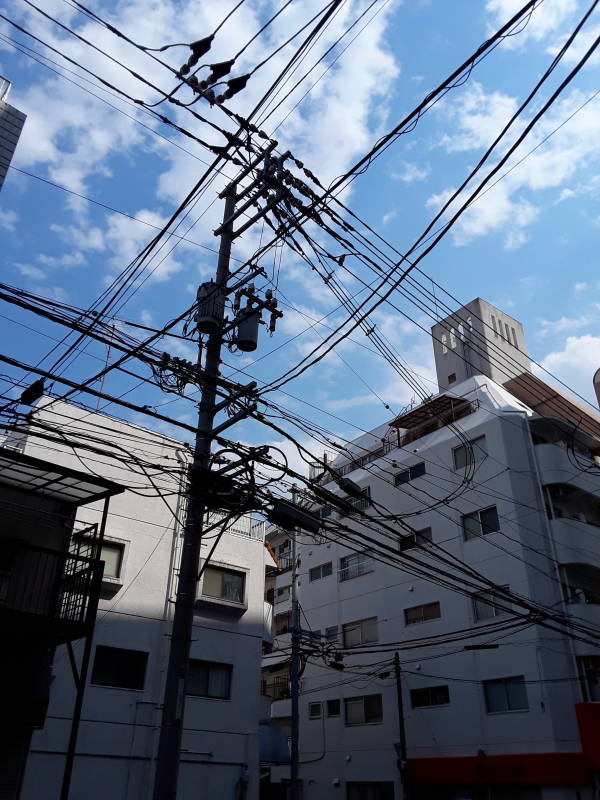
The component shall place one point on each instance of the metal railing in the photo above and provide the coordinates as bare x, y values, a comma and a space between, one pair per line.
247, 526
277, 689
49, 583
356, 568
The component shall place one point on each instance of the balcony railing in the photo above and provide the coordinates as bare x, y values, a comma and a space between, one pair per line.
355, 569
277, 689
48, 586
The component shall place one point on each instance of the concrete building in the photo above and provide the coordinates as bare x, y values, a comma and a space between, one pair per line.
11, 125
118, 732
506, 480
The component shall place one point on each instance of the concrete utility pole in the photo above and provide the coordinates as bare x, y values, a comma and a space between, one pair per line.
295, 682
402, 729
169, 746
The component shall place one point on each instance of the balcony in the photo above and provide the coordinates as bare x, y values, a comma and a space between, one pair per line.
277, 688
575, 542
46, 593
563, 463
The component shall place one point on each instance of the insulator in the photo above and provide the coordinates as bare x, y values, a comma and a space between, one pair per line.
199, 48
210, 309
246, 337
236, 85
219, 70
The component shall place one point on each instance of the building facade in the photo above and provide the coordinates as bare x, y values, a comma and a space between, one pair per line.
490, 704
11, 125
121, 713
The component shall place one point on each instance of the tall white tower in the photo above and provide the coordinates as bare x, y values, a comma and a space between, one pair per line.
479, 339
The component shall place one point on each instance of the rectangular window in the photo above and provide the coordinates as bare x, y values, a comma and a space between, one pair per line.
283, 547
589, 670
333, 708
470, 453
354, 566
363, 710
514, 338
225, 584
480, 522
283, 593
418, 538
331, 634
119, 668
505, 694
494, 326
322, 571
209, 679
485, 606
410, 474
112, 555
430, 696
369, 790
360, 632
423, 613
314, 710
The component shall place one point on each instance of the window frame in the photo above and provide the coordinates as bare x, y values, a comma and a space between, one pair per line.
425, 618
429, 690
475, 448
360, 562
410, 540
410, 473
328, 711
505, 682
218, 566
467, 537
316, 704
111, 656
362, 699
360, 625
320, 567
209, 665
477, 597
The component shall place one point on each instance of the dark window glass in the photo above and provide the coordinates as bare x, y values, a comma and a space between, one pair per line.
485, 606
422, 613
209, 679
314, 710
411, 540
322, 571
225, 584
363, 710
410, 474
478, 523
369, 790
429, 696
333, 708
505, 694
119, 668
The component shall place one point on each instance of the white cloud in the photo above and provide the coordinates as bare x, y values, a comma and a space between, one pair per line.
8, 220
411, 172
507, 206
30, 271
66, 261
580, 287
562, 324
388, 217
546, 20
575, 364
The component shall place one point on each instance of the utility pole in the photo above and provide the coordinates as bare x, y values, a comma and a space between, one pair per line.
406, 795
295, 682
213, 294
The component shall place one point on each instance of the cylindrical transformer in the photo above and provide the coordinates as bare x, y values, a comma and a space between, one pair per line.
246, 337
210, 308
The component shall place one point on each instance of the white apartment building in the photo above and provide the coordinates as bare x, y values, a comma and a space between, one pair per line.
119, 728
505, 478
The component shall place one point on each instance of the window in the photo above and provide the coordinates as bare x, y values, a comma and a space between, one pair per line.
283, 547
112, 555
224, 584
444, 343
469, 453
514, 338
314, 710
480, 522
494, 326
505, 694
418, 538
360, 632
589, 670
333, 708
331, 634
410, 474
356, 503
325, 511
363, 710
209, 679
485, 606
119, 668
429, 696
452, 378
322, 571
354, 566
369, 790
282, 593
423, 613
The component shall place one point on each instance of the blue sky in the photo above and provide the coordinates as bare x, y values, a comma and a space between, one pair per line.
529, 245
